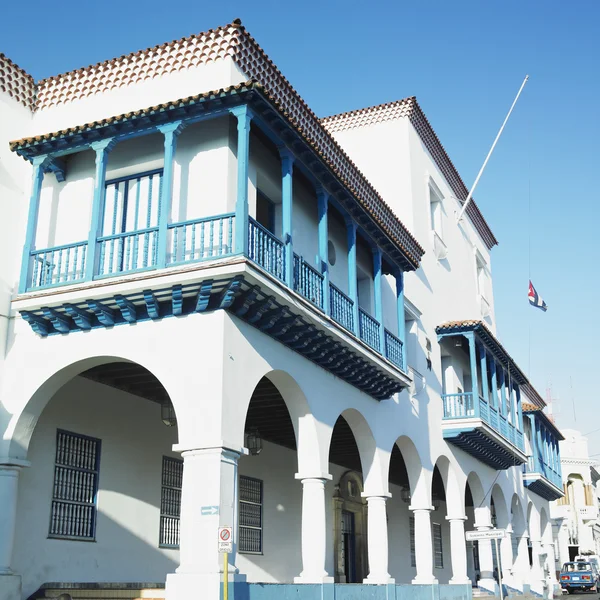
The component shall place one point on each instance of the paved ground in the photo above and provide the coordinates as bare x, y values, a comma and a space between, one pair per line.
587, 596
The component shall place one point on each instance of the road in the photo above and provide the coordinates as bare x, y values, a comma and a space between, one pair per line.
587, 596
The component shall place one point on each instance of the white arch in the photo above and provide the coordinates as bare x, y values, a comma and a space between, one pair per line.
419, 483
517, 517
455, 501
501, 507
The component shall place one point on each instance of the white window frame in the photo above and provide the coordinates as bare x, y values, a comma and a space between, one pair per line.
241, 524
170, 502
74, 509
436, 212
482, 276
438, 554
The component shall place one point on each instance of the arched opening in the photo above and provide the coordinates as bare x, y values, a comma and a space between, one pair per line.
474, 500
350, 561
99, 436
267, 490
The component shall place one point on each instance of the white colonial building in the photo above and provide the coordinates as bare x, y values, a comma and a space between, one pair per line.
218, 309
575, 515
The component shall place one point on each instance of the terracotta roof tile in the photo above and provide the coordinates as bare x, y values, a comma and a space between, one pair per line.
16, 82
409, 108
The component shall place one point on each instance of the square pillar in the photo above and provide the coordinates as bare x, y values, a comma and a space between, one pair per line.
39, 163
352, 273
400, 309
102, 148
287, 193
323, 204
244, 117
170, 131
377, 295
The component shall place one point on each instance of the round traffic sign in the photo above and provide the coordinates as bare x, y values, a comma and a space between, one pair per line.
225, 535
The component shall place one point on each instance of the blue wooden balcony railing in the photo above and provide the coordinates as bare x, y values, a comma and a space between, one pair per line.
308, 281
266, 250
535, 464
464, 406
58, 265
369, 329
393, 349
128, 251
341, 308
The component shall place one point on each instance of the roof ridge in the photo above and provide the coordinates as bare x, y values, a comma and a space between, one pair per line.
236, 23
356, 111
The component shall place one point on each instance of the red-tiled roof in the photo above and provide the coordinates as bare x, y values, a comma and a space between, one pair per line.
409, 108
16, 82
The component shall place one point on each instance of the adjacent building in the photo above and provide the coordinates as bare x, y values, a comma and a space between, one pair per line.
220, 310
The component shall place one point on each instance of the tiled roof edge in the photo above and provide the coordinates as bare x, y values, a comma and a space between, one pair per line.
434, 146
23, 91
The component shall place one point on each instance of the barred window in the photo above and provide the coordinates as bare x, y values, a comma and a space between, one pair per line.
413, 556
438, 551
251, 499
76, 467
170, 502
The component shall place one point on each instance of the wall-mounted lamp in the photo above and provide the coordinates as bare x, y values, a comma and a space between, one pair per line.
253, 441
167, 414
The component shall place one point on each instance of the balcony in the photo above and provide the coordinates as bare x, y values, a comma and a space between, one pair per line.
488, 424
542, 472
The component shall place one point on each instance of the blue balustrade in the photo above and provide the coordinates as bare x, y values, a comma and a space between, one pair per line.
503, 426
308, 281
458, 406
129, 251
368, 329
341, 307
59, 265
484, 412
201, 239
393, 349
266, 250
494, 418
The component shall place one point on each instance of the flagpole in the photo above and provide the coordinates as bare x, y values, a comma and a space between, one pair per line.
469, 197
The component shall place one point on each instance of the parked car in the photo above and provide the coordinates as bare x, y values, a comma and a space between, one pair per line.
580, 576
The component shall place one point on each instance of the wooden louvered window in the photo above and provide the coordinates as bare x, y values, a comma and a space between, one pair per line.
76, 467
251, 524
438, 550
413, 555
170, 502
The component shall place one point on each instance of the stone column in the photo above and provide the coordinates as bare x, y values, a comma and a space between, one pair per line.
377, 539
458, 550
314, 530
423, 546
486, 561
506, 557
10, 582
209, 500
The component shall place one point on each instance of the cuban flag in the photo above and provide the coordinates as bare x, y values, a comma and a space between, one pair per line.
535, 299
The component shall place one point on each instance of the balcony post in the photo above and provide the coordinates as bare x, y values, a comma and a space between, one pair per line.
323, 202
352, 280
484, 376
473, 361
32, 219
287, 185
513, 405
502, 408
519, 408
377, 295
170, 131
494, 390
244, 116
102, 148
400, 309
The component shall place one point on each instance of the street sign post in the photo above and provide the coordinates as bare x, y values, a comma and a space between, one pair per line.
225, 542
490, 534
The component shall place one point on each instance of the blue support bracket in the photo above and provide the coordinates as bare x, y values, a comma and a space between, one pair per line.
177, 300
203, 297
57, 166
243, 304
37, 323
227, 296
127, 308
60, 321
152, 305
262, 306
105, 314
82, 318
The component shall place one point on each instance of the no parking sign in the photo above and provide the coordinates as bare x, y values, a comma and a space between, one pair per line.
225, 540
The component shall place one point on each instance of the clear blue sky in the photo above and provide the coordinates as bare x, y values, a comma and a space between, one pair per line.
465, 62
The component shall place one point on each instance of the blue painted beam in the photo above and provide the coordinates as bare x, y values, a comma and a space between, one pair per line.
377, 295
227, 296
244, 117
82, 318
287, 184
474, 379
323, 204
203, 297
352, 272
177, 300
152, 305
38, 324
32, 221
102, 149
127, 308
60, 321
170, 131
484, 374
401, 318
105, 314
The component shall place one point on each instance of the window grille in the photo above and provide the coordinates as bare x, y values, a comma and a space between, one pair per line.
251, 500
170, 502
438, 551
413, 556
76, 466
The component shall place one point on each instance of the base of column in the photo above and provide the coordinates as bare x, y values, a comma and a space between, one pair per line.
460, 581
314, 579
487, 584
183, 586
379, 580
10, 587
424, 581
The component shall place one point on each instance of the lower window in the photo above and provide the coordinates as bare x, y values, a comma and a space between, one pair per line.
170, 502
251, 500
76, 467
438, 551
